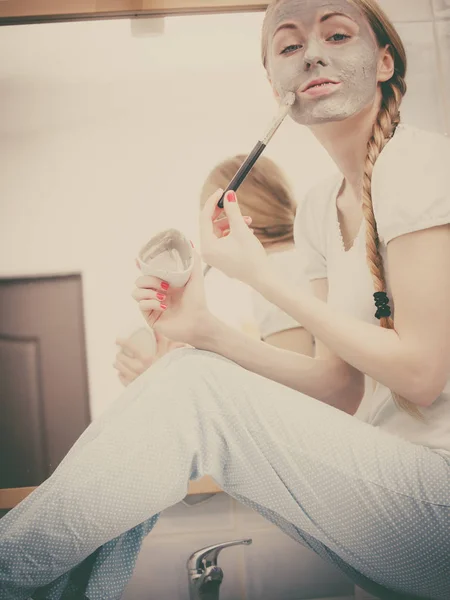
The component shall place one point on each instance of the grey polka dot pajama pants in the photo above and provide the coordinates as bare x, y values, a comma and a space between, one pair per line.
375, 505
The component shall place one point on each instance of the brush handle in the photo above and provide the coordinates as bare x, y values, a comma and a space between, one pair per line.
243, 171
259, 148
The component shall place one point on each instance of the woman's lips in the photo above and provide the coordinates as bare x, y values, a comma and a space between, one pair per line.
321, 88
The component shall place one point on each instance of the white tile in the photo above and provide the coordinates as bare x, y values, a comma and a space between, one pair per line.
443, 35
441, 8
161, 573
216, 513
277, 567
407, 10
423, 103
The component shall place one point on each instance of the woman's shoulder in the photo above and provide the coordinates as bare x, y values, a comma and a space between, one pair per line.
411, 183
411, 151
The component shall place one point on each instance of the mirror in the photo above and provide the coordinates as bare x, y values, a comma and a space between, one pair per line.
108, 131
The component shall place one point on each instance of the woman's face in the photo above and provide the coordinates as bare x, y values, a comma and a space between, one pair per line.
327, 42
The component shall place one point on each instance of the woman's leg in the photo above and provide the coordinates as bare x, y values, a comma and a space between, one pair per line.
378, 503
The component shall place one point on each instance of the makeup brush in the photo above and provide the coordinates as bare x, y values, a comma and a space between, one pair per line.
248, 163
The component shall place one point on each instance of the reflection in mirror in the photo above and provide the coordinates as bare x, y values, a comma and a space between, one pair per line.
108, 137
111, 134
107, 144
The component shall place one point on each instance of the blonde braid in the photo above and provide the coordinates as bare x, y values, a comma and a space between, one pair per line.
383, 129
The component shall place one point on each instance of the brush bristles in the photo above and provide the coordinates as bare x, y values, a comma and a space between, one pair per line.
283, 110
289, 99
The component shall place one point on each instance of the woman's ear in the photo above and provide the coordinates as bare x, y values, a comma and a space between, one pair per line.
386, 66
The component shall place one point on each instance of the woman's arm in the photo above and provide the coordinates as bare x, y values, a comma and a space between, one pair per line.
297, 340
329, 380
414, 360
326, 377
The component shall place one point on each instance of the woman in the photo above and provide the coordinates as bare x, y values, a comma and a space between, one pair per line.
371, 494
265, 197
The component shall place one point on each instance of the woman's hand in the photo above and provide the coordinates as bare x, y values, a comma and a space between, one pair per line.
179, 314
132, 362
228, 243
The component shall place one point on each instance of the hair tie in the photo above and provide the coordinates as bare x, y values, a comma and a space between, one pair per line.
382, 304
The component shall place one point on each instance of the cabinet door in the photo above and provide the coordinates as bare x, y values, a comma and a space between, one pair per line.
44, 402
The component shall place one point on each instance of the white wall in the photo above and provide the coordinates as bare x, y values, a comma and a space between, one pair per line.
106, 137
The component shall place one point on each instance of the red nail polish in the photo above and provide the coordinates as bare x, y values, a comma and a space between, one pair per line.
231, 196
160, 296
191, 243
165, 285
163, 306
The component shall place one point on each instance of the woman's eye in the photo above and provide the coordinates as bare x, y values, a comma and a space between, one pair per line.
291, 48
338, 37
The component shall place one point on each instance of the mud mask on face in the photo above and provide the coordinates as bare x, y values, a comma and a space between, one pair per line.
312, 54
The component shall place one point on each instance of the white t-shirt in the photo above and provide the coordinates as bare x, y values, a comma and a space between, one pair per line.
269, 318
229, 299
240, 306
410, 192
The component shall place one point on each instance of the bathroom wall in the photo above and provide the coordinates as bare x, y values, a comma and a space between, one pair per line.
107, 130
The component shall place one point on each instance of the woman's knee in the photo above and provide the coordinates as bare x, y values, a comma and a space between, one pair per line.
192, 369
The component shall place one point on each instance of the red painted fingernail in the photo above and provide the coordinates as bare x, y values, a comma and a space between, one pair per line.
191, 243
163, 306
160, 296
231, 196
165, 285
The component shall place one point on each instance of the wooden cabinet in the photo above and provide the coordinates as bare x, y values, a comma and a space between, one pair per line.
22, 11
44, 397
44, 402
10, 497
